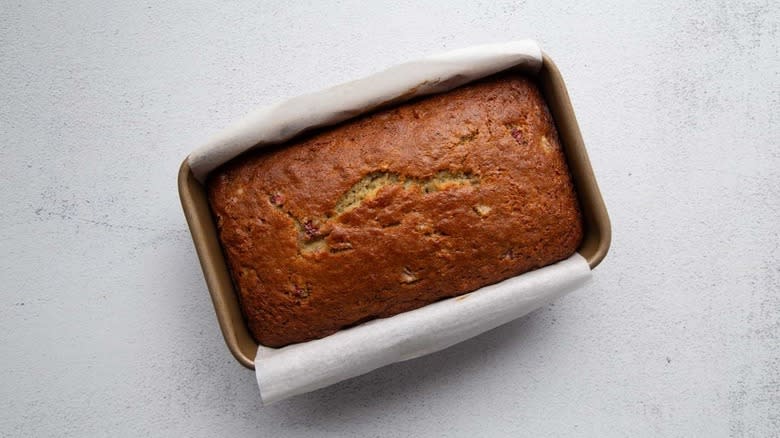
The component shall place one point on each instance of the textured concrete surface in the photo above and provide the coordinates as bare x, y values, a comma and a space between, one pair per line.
105, 324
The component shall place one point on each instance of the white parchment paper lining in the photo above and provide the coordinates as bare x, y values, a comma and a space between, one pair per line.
277, 123
304, 367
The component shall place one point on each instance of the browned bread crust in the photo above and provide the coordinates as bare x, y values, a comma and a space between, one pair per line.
394, 210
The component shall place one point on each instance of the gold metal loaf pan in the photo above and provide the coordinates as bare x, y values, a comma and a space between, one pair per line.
204, 234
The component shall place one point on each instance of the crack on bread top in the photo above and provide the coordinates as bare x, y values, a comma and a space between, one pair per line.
371, 184
312, 233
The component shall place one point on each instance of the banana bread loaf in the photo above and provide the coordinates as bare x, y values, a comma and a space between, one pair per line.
395, 210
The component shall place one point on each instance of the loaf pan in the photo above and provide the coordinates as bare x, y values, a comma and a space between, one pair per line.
192, 193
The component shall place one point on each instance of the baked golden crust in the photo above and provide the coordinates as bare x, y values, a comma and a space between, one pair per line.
395, 210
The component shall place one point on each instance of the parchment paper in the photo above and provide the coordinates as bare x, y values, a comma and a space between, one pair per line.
304, 367
299, 368
277, 123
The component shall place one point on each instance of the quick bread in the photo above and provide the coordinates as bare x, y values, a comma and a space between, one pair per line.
395, 210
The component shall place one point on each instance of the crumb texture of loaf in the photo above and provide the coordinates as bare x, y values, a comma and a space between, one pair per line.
395, 210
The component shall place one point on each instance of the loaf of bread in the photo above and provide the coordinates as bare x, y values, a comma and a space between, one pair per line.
395, 210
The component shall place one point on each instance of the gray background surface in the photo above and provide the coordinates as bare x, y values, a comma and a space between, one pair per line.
105, 323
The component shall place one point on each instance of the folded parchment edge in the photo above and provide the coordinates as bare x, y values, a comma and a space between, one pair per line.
308, 366
277, 123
